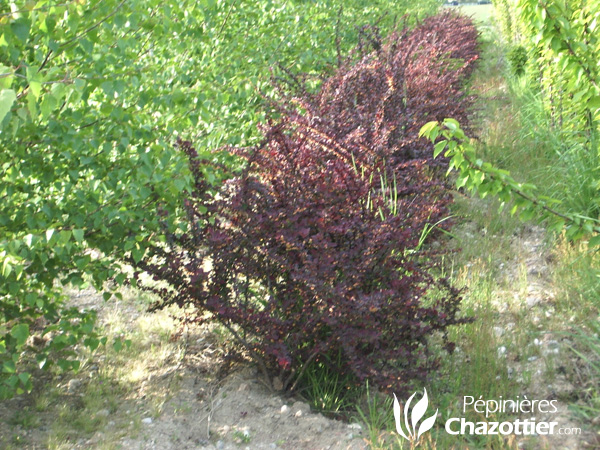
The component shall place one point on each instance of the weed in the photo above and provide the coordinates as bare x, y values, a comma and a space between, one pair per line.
326, 389
242, 436
25, 418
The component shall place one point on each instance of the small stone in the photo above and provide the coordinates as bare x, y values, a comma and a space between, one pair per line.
147, 420
103, 413
277, 384
532, 300
499, 331
298, 413
355, 426
501, 351
285, 409
243, 387
301, 407
532, 358
220, 445
73, 385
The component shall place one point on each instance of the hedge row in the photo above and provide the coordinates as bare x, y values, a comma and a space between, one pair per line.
312, 256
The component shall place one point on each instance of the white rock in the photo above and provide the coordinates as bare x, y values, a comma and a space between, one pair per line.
103, 413
285, 409
301, 406
147, 420
532, 300
73, 385
499, 331
501, 351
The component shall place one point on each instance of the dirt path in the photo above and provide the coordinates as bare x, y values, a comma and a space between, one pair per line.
547, 367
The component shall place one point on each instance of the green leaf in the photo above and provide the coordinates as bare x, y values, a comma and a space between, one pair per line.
92, 343
527, 214
461, 180
594, 241
427, 129
451, 124
118, 345
64, 364
20, 28
78, 235
7, 98
6, 77
439, 148
25, 377
9, 367
20, 332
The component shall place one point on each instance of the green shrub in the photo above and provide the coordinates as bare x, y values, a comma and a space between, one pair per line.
518, 58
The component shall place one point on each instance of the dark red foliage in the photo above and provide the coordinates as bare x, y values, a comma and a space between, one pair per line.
300, 256
381, 102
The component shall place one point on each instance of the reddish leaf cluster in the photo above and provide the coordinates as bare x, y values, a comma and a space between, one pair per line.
416, 76
302, 257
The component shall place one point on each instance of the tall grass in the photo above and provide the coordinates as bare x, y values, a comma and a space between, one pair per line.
557, 160
587, 348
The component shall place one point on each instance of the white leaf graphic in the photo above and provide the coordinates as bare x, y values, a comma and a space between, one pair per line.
411, 433
397, 417
417, 413
427, 424
419, 410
